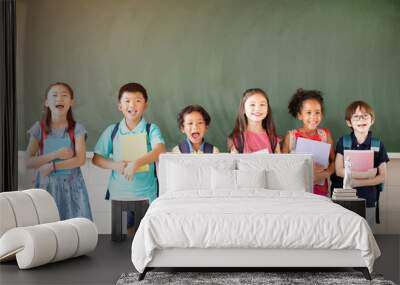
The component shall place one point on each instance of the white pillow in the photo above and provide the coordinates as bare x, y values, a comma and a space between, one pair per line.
193, 172
293, 180
186, 177
251, 178
283, 173
223, 179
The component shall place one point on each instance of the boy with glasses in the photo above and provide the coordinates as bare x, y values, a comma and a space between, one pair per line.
360, 117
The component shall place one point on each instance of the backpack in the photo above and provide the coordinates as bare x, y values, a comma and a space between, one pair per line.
375, 146
43, 137
113, 134
240, 142
184, 147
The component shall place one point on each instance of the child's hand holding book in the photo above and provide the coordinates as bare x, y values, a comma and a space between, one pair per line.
130, 170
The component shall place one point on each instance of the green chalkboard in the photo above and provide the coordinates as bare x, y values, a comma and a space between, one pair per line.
207, 52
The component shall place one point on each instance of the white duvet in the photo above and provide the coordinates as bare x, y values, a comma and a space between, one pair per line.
250, 219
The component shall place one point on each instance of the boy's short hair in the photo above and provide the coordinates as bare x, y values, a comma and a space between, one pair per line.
351, 109
133, 87
190, 109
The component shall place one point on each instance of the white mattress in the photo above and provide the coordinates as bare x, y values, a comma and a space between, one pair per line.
253, 218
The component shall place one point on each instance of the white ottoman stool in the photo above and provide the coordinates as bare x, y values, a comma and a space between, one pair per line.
31, 232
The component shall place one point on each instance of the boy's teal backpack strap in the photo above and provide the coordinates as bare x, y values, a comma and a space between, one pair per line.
113, 134
148, 127
114, 131
346, 142
375, 144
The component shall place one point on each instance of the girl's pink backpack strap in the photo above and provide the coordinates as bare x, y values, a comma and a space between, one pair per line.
71, 133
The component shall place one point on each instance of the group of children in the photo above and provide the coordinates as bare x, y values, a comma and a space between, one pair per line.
57, 145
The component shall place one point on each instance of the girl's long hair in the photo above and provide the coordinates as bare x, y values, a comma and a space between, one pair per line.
47, 112
241, 120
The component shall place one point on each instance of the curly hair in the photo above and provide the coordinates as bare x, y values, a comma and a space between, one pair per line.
301, 95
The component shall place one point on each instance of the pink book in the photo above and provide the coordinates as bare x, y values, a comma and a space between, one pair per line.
361, 160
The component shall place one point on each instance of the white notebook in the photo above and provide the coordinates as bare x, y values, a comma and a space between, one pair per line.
319, 150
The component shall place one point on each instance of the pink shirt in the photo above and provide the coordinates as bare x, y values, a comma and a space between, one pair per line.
256, 141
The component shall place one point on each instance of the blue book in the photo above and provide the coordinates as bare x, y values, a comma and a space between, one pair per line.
54, 144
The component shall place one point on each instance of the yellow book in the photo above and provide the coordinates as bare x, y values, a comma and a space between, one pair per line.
133, 147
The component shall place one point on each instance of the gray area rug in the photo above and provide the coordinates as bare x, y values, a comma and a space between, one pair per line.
228, 278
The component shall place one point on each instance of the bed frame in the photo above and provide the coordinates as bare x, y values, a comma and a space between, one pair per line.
242, 259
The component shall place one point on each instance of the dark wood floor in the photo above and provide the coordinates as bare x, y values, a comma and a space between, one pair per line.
110, 260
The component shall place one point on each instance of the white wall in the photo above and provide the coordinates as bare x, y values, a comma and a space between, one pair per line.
390, 199
97, 179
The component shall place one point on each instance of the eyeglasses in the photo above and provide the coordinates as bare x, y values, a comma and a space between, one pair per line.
364, 116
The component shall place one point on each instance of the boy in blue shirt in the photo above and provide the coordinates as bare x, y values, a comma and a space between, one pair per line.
124, 181
360, 117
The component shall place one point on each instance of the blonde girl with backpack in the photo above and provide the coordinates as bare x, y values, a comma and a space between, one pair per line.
57, 149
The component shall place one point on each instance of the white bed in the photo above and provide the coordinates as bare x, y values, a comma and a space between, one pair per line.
247, 211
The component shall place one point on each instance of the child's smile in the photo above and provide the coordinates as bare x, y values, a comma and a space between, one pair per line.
132, 112
60, 106
195, 135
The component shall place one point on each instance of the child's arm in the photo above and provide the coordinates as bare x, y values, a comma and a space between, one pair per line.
80, 157
105, 163
286, 143
278, 146
322, 174
231, 146
339, 166
378, 179
148, 158
102, 151
33, 161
